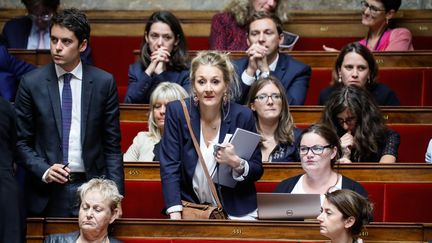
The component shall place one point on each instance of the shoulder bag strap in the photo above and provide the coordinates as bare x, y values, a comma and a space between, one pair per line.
201, 159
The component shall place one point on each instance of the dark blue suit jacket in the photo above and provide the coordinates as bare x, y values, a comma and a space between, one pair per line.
141, 85
16, 32
11, 70
38, 108
294, 76
383, 95
178, 158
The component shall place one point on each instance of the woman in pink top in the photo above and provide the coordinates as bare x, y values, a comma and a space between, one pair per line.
377, 15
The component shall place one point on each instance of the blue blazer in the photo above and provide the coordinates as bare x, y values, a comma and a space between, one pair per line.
11, 70
141, 85
294, 76
39, 124
17, 30
178, 158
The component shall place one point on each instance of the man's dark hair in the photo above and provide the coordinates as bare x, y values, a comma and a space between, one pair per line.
75, 21
265, 15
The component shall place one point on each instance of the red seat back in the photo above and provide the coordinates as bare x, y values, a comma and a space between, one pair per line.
129, 130
414, 141
143, 199
408, 202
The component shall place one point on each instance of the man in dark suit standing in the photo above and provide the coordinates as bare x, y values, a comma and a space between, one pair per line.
265, 34
32, 31
68, 122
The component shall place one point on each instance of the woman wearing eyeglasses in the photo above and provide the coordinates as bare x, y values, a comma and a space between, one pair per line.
357, 119
268, 101
377, 15
319, 150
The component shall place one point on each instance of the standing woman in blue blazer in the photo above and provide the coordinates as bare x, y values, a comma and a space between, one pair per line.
163, 58
213, 115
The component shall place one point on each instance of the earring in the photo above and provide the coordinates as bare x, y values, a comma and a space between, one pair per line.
369, 80
387, 21
225, 99
340, 79
195, 100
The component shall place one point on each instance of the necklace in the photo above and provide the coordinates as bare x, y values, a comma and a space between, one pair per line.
379, 40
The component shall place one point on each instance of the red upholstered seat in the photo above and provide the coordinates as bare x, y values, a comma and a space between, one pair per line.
427, 87
129, 130
414, 141
408, 202
320, 79
143, 199
376, 196
406, 83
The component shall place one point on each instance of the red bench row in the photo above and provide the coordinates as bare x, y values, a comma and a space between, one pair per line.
411, 85
414, 138
128, 240
393, 202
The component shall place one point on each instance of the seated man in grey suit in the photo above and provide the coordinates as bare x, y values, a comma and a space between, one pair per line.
265, 34
68, 122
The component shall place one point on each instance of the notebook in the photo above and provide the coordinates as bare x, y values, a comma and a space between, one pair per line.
245, 143
288, 206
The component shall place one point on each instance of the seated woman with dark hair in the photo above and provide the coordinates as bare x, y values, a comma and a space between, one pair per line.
377, 15
357, 119
356, 65
269, 103
100, 205
343, 216
319, 150
163, 58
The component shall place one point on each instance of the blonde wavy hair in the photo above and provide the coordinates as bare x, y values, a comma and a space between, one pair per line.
164, 91
243, 9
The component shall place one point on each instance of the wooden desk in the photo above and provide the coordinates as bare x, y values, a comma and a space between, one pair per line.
275, 172
230, 230
316, 59
35, 57
308, 114
306, 23
322, 59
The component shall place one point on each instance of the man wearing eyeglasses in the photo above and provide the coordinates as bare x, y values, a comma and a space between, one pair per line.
265, 34
32, 31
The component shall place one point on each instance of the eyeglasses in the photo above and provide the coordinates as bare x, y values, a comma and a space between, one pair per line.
350, 121
373, 10
264, 97
44, 17
316, 149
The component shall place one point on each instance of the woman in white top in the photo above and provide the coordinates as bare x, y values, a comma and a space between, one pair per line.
213, 115
319, 150
143, 146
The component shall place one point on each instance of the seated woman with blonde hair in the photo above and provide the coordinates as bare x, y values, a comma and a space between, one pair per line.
343, 216
145, 146
100, 205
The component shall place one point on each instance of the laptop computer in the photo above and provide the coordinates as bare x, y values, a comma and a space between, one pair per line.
288, 206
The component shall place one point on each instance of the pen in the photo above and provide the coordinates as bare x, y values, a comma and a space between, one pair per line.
64, 167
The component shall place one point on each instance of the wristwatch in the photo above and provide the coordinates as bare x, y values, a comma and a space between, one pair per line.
241, 166
265, 74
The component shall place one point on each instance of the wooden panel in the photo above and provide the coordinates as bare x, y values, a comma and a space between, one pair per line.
306, 23
316, 59
307, 114
275, 172
238, 230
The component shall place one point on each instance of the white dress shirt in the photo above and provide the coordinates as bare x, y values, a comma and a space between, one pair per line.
248, 80
34, 36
